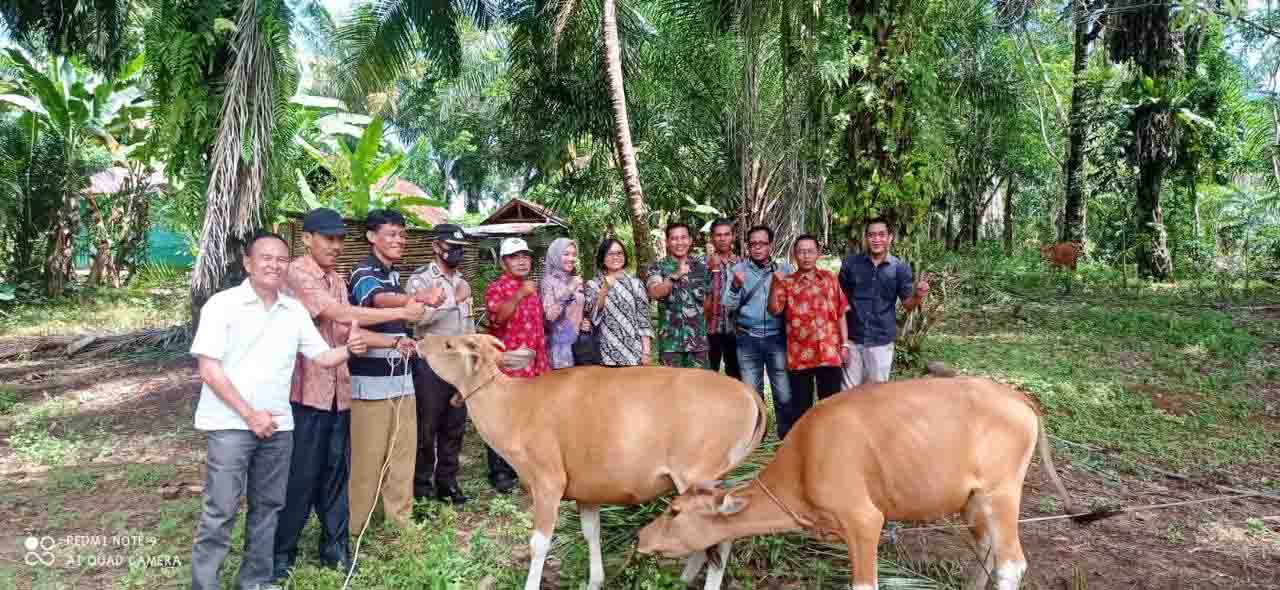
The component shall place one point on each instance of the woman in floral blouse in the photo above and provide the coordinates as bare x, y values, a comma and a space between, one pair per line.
619, 309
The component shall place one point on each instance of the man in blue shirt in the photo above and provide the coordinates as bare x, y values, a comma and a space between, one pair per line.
874, 281
761, 340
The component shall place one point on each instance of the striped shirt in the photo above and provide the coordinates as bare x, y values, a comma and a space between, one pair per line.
379, 373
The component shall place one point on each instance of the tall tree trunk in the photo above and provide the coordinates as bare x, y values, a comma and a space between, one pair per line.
952, 245
1141, 33
878, 135
1008, 216
1153, 257
103, 259
473, 199
1073, 222
622, 137
62, 242
239, 160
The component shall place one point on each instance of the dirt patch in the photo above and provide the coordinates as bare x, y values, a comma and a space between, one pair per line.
1195, 546
1169, 402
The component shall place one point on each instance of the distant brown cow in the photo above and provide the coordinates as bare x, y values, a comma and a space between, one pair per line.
1061, 254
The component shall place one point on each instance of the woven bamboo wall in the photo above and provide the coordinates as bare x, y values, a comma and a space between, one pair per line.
478, 253
417, 251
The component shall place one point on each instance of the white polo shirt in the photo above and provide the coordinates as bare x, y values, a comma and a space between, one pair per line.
258, 348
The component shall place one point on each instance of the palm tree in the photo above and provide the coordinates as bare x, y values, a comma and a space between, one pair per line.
387, 36
105, 32
1073, 217
258, 82
1141, 35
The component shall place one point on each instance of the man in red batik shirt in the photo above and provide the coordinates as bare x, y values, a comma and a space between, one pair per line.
515, 318
814, 306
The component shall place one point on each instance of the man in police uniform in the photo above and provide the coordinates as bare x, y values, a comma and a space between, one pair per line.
440, 425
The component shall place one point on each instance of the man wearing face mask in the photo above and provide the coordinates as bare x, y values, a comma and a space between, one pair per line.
440, 425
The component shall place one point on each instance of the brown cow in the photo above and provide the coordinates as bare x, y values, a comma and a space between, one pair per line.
601, 435
912, 450
1061, 254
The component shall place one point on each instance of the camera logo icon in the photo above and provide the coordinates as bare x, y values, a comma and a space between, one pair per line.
39, 550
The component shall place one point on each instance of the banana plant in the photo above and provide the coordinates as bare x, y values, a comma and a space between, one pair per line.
78, 108
363, 174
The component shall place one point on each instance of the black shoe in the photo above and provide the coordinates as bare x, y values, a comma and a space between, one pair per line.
504, 484
452, 493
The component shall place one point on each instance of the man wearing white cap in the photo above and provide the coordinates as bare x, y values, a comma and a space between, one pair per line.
515, 318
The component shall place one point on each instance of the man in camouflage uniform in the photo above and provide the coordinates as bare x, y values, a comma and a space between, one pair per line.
680, 284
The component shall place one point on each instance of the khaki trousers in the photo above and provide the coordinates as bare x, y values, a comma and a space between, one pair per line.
373, 422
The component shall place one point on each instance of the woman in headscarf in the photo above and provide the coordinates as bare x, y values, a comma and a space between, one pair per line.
562, 301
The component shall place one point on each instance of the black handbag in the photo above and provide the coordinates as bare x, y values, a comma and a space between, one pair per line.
585, 350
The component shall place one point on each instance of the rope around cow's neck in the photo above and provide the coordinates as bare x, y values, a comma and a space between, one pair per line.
803, 522
485, 383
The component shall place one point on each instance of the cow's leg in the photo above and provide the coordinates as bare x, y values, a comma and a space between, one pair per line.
1010, 562
715, 574
590, 515
978, 512
546, 503
693, 565
862, 534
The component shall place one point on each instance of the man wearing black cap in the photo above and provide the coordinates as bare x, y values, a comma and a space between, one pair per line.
321, 397
440, 425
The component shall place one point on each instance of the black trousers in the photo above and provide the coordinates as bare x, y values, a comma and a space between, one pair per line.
318, 476
724, 346
826, 380
440, 429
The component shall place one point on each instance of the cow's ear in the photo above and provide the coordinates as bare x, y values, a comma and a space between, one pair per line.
732, 504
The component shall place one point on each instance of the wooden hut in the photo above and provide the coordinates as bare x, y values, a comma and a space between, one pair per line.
518, 218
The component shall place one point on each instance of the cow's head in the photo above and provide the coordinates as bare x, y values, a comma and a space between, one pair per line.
458, 359
694, 521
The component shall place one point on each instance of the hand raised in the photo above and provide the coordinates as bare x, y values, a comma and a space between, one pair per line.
527, 288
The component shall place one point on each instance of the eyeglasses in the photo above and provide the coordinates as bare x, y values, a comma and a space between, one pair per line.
615, 254
879, 234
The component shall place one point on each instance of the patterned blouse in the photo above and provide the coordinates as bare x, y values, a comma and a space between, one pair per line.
623, 321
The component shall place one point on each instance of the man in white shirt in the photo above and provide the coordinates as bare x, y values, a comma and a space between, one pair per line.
247, 343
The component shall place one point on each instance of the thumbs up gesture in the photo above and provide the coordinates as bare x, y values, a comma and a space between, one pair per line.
355, 340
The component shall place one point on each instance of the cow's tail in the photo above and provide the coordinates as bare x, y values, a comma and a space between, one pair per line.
743, 449
1046, 460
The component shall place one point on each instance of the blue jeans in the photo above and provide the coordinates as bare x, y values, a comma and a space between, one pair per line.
755, 356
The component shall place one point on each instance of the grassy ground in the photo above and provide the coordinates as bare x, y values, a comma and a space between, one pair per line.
102, 459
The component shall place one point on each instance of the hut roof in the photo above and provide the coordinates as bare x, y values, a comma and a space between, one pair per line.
112, 180
519, 210
400, 186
